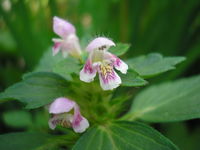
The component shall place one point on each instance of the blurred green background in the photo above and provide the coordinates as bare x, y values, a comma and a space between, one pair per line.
170, 27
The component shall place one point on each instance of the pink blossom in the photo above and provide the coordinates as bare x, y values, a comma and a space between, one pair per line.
61, 115
68, 42
103, 62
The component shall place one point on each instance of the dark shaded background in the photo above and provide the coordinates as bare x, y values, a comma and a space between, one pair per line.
170, 27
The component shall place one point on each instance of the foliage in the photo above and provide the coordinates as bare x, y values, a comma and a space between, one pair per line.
41, 88
123, 135
171, 101
158, 34
153, 64
17, 119
37, 89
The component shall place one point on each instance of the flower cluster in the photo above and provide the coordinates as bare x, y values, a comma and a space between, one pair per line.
100, 61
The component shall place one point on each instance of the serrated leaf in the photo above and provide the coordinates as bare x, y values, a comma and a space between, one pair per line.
153, 64
119, 49
67, 67
171, 101
132, 79
17, 118
37, 89
123, 136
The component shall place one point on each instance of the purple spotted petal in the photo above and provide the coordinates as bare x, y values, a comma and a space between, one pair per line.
61, 105
121, 66
100, 43
62, 28
109, 81
117, 63
88, 72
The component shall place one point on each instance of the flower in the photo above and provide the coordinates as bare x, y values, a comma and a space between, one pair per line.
68, 42
61, 108
103, 62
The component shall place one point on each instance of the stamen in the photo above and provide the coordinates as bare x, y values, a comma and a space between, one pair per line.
102, 47
106, 69
65, 123
62, 122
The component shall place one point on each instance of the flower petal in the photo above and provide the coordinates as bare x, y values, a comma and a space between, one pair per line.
100, 43
62, 28
117, 63
121, 66
71, 45
61, 105
57, 46
52, 124
88, 72
80, 123
110, 81
83, 125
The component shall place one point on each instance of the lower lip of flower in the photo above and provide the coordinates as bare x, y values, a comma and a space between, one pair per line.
88, 68
106, 72
77, 120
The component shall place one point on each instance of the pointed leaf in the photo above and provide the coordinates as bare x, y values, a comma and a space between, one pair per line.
153, 64
47, 61
123, 136
37, 89
67, 67
132, 79
171, 101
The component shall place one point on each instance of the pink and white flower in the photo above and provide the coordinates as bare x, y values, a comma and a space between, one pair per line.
103, 62
66, 113
68, 42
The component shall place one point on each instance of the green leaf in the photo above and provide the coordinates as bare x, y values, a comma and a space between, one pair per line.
132, 79
22, 141
37, 89
67, 67
119, 49
153, 64
48, 61
17, 119
171, 101
27, 141
123, 136
57, 64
